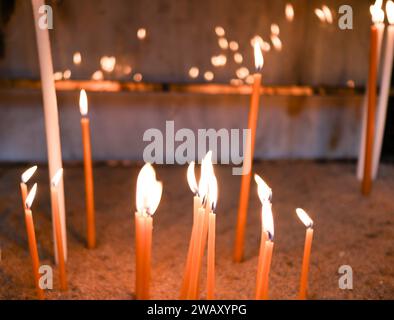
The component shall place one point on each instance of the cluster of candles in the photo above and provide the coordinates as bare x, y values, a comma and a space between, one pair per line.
202, 239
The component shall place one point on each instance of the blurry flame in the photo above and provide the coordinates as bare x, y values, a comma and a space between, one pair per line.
219, 31
320, 14
242, 72
263, 190
149, 190
234, 46
268, 220
289, 11
258, 56
327, 14
219, 61
304, 217
249, 79
238, 58
141, 33
390, 11
276, 42
28, 174
30, 197
108, 63
58, 76
83, 103
127, 70
223, 43
77, 58
236, 82
56, 178
377, 12
191, 178
265, 46
194, 72
67, 74
209, 75
98, 75
275, 29
137, 77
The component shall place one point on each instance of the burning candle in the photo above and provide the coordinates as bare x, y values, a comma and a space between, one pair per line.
248, 154
307, 221
58, 229
31, 236
87, 157
50, 113
267, 235
148, 197
201, 229
25, 177
384, 89
213, 194
377, 17
191, 179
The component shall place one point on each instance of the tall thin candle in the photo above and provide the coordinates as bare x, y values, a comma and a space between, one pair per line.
50, 114
87, 160
248, 154
31, 236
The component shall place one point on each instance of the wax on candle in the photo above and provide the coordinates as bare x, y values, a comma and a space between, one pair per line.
58, 229
50, 114
248, 155
148, 196
307, 221
87, 157
31, 236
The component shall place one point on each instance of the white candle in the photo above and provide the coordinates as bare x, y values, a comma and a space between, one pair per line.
51, 116
378, 18
384, 90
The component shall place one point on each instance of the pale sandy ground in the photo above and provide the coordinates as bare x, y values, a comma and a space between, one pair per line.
349, 230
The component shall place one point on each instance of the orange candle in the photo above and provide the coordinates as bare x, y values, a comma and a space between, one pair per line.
148, 196
248, 156
191, 179
87, 157
25, 177
307, 221
196, 256
211, 257
31, 236
267, 234
58, 229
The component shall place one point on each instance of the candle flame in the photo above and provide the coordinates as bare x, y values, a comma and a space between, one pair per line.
191, 178
108, 63
56, 178
77, 58
289, 12
327, 14
320, 14
377, 12
30, 197
149, 190
263, 190
83, 103
390, 11
258, 56
304, 217
206, 170
213, 190
268, 220
25, 177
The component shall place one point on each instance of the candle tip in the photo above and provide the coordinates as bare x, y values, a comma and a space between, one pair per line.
304, 217
56, 178
25, 177
30, 197
83, 103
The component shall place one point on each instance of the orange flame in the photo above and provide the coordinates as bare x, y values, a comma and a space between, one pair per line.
56, 178
83, 103
30, 197
390, 11
25, 177
258, 56
304, 217
377, 12
149, 190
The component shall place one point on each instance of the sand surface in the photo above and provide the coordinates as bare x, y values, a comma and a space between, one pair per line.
349, 230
